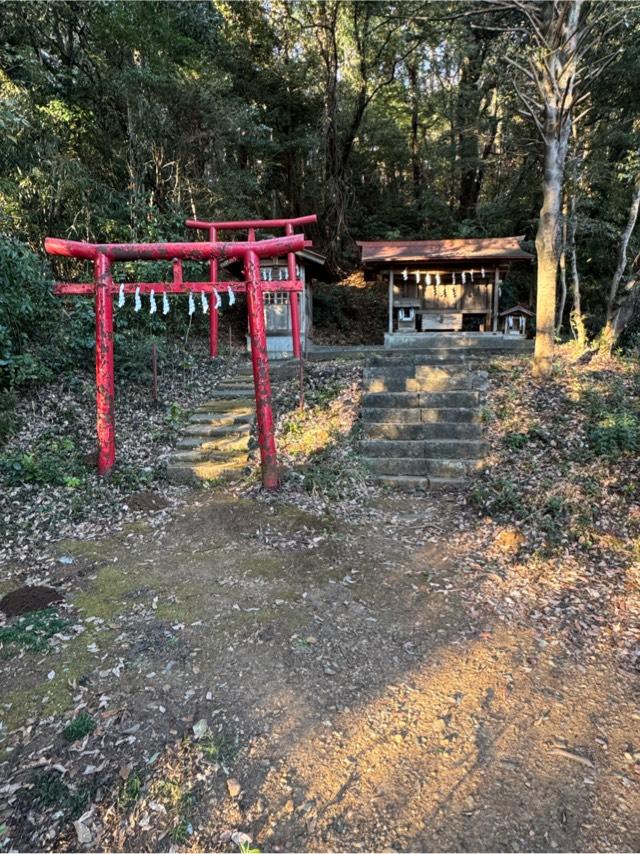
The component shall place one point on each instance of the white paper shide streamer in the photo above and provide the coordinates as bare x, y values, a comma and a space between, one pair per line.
165, 303
138, 302
204, 302
232, 297
121, 295
152, 303
192, 305
217, 296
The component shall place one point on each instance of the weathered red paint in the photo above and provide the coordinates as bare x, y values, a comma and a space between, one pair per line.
213, 311
261, 379
105, 384
250, 223
169, 251
249, 251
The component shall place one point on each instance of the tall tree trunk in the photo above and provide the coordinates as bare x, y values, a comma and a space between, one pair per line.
610, 333
547, 251
416, 163
563, 270
576, 318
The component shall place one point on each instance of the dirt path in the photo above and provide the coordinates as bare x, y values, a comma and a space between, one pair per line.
350, 693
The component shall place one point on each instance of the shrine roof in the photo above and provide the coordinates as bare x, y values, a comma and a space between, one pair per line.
454, 249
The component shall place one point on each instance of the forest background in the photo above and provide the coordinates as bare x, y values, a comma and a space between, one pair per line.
388, 120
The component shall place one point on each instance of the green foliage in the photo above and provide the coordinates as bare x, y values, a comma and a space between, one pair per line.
130, 792
501, 496
614, 433
52, 461
49, 790
80, 726
31, 632
220, 747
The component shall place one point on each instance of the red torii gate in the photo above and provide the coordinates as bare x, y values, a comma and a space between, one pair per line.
103, 289
213, 229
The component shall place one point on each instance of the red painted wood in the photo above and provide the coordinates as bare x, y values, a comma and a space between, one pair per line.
213, 311
294, 305
169, 251
250, 223
261, 379
105, 382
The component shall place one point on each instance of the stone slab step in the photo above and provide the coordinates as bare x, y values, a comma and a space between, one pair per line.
224, 405
444, 357
418, 400
412, 483
215, 429
421, 466
425, 430
406, 415
434, 449
195, 472
205, 444
232, 393
221, 418
463, 382
200, 454
399, 371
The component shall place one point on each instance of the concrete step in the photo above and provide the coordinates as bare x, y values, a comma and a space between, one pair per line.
434, 449
402, 370
424, 430
480, 342
409, 414
435, 357
421, 466
411, 483
462, 382
416, 400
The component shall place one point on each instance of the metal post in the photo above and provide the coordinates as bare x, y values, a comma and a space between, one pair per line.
261, 380
213, 311
105, 382
294, 305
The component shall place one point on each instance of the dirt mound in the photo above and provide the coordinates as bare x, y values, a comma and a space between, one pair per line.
27, 599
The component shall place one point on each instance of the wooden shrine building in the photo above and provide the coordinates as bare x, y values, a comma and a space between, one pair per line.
442, 285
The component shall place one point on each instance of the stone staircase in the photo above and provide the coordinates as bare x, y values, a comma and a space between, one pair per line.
421, 418
214, 444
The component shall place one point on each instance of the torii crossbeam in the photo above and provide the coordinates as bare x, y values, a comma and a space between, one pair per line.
103, 288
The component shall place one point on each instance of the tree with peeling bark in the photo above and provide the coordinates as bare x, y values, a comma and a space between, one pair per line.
560, 38
618, 311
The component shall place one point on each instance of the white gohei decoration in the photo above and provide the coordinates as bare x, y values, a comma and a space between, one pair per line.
464, 278
165, 303
152, 303
121, 295
138, 302
267, 274
482, 272
282, 274
417, 274
192, 304
438, 280
405, 274
204, 302
232, 297
428, 278
471, 274
217, 296
453, 278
